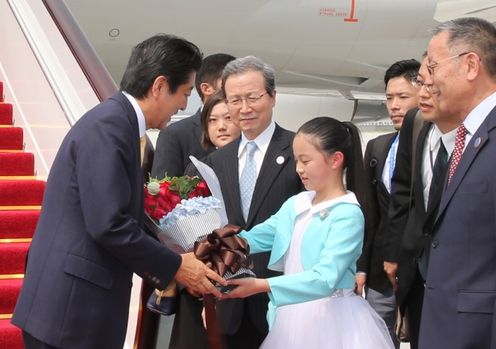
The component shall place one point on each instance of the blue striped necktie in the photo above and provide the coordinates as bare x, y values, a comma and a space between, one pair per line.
248, 179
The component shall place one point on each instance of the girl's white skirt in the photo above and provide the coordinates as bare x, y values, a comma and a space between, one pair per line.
341, 321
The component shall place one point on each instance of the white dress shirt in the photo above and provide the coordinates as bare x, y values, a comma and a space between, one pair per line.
139, 114
262, 142
477, 116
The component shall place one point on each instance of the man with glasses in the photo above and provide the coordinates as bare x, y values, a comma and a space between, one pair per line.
460, 292
257, 174
415, 195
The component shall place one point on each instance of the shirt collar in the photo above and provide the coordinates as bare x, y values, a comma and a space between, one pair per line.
262, 141
139, 113
477, 116
434, 137
449, 140
303, 202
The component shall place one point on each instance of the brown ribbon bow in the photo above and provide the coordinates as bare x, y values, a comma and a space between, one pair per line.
223, 250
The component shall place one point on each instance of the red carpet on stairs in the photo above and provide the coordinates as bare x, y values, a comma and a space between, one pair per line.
13, 257
11, 138
18, 224
6, 114
16, 164
20, 202
21, 192
9, 290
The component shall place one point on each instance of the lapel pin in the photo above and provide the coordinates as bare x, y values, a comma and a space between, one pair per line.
280, 160
323, 214
477, 142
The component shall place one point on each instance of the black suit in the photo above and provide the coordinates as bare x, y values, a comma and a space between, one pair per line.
175, 144
376, 211
411, 221
276, 182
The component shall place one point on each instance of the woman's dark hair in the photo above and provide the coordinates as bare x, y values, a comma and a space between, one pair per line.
213, 100
161, 55
330, 135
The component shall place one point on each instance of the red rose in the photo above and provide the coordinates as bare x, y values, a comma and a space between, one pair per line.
168, 193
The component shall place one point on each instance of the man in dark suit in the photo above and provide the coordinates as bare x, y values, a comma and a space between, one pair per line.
90, 239
249, 87
460, 295
427, 146
178, 141
379, 160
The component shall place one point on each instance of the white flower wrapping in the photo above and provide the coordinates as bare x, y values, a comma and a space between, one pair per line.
188, 222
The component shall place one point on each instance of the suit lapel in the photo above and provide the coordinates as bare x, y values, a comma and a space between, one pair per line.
133, 120
277, 156
481, 136
419, 182
380, 155
230, 178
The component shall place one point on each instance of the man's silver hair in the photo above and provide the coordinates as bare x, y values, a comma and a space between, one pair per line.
250, 63
473, 35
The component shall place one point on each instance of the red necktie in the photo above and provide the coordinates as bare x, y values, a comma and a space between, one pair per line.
461, 132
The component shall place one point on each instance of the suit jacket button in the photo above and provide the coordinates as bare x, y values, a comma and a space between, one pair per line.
435, 243
374, 181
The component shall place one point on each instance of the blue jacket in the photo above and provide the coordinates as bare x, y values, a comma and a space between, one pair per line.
331, 246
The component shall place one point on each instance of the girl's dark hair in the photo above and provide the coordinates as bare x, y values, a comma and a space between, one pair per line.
331, 135
212, 101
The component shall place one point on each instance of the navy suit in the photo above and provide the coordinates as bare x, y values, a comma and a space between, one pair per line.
89, 239
460, 294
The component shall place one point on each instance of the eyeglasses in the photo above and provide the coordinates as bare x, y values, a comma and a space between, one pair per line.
433, 65
428, 87
250, 100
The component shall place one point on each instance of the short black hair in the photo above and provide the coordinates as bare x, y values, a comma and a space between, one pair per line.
211, 70
161, 55
408, 68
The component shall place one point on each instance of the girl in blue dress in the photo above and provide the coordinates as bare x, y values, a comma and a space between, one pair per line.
315, 239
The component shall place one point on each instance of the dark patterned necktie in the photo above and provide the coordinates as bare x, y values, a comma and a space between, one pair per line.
461, 132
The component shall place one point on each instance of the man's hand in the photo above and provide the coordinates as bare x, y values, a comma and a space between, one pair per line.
391, 269
360, 280
196, 276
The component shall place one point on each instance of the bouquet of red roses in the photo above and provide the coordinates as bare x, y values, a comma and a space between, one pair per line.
162, 196
185, 216
182, 210
175, 226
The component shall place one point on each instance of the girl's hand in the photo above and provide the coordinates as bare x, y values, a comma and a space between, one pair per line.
246, 287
